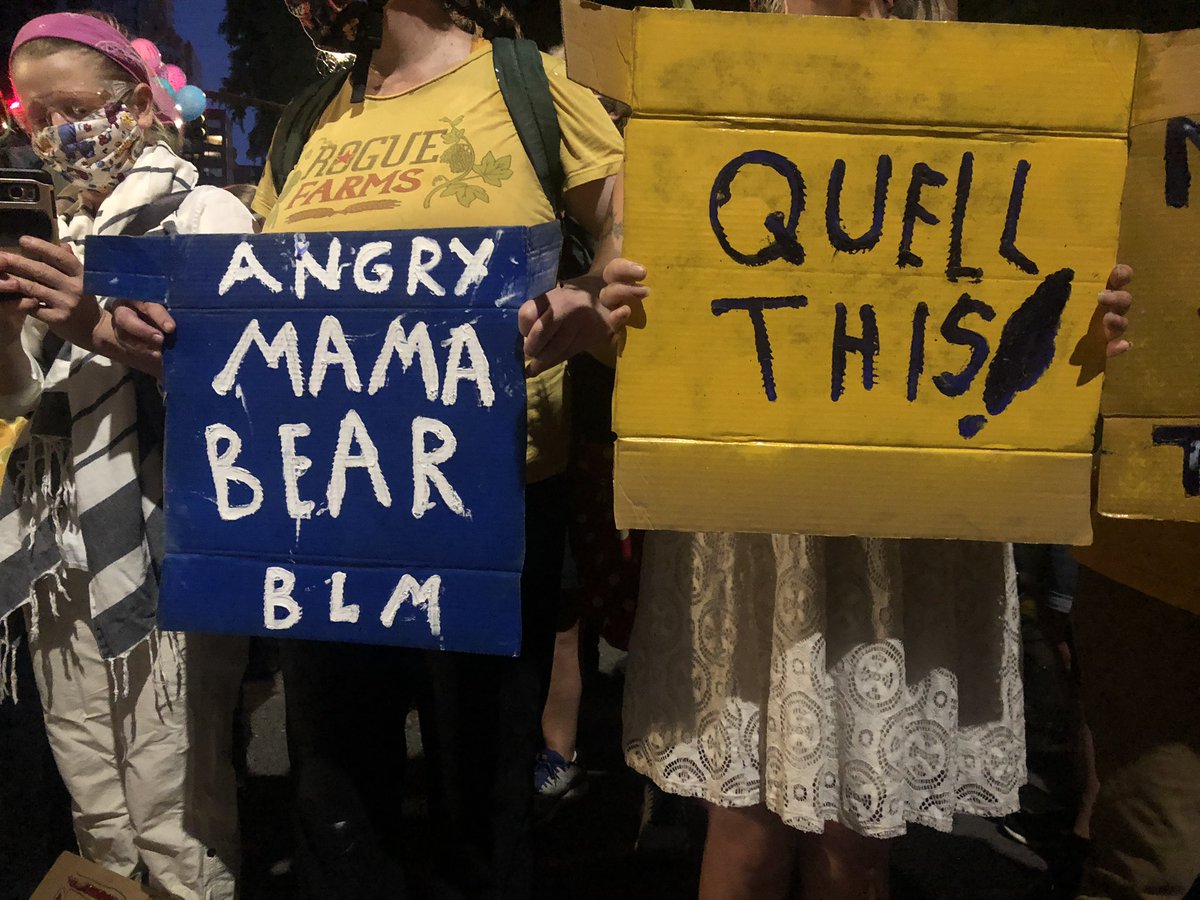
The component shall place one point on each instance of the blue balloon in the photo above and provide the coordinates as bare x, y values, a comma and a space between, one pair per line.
192, 102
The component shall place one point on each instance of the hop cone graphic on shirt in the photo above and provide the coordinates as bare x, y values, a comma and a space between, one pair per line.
460, 157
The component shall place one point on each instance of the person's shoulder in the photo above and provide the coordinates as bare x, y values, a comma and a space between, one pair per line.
556, 69
212, 210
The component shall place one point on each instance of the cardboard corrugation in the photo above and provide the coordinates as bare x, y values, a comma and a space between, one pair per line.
701, 447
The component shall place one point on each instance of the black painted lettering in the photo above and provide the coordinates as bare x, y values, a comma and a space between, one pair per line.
755, 306
922, 176
834, 225
916, 351
1180, 132
955, 270
1008, 241
867, 345
1027, 342
781, 227
956, 384
1188, 438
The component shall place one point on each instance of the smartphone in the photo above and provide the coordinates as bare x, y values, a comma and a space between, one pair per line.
26, 207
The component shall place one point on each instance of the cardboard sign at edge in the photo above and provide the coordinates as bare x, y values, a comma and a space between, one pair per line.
75, 878
1157, 385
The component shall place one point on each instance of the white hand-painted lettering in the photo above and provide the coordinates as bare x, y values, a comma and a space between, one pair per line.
378, 278
416, 343
277, 595
295, 464
352, 430
330, 275
339, 610
425, 468
419, 266
333, 349
475, 269
244, 266
463, 338
285, 345
424, 597
224, 473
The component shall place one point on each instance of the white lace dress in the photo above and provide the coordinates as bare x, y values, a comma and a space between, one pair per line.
865, 681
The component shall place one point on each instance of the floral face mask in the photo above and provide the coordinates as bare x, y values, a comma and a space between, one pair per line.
96, 152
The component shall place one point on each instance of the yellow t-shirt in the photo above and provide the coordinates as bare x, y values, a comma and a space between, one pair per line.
10, 434
446, 155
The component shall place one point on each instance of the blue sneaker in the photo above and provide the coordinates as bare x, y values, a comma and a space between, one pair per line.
556, 780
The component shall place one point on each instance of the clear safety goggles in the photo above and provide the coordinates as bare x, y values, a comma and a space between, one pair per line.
33, 114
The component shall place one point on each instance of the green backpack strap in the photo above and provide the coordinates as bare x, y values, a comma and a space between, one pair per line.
526, 92
523, 85
297, 122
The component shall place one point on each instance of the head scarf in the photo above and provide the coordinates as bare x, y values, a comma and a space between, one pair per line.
103, 38
331, 24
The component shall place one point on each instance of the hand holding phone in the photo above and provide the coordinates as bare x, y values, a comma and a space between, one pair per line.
48, 280
26, 207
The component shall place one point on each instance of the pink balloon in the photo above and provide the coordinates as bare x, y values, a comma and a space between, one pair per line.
148, 52
175, 77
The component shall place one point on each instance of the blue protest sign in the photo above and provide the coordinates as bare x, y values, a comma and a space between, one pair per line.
345, 441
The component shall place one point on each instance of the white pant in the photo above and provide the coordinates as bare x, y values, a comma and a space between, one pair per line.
150, 772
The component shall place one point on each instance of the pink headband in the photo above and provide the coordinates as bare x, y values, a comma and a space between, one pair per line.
103, 38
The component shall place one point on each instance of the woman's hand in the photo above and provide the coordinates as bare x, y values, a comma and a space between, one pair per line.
1115, 301
623, 284
572, 318
47, 284
142, 327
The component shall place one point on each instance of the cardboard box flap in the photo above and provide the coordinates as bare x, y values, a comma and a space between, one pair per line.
599, 47
980, 77
1166, 84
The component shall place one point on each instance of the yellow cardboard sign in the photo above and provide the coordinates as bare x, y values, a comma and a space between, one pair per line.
10, 435
1150, 465
1156, 558
875, 249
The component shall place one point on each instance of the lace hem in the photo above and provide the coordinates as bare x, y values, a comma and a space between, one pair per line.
635, 758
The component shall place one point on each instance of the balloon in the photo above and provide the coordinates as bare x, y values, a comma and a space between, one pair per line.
176, 77
192, 102
165, 85
148, 52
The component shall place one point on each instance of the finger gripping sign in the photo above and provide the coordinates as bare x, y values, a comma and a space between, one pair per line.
874, 251
345, 439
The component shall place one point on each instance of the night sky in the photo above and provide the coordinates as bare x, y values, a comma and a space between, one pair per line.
199, 21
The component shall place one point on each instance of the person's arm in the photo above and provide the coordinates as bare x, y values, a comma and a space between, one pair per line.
19, 382
576, 317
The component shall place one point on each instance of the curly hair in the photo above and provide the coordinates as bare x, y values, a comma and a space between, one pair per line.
486, 18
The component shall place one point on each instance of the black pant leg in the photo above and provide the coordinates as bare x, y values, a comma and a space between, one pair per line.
483, 727
346, 706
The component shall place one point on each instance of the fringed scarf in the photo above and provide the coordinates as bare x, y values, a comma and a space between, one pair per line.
88, 493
